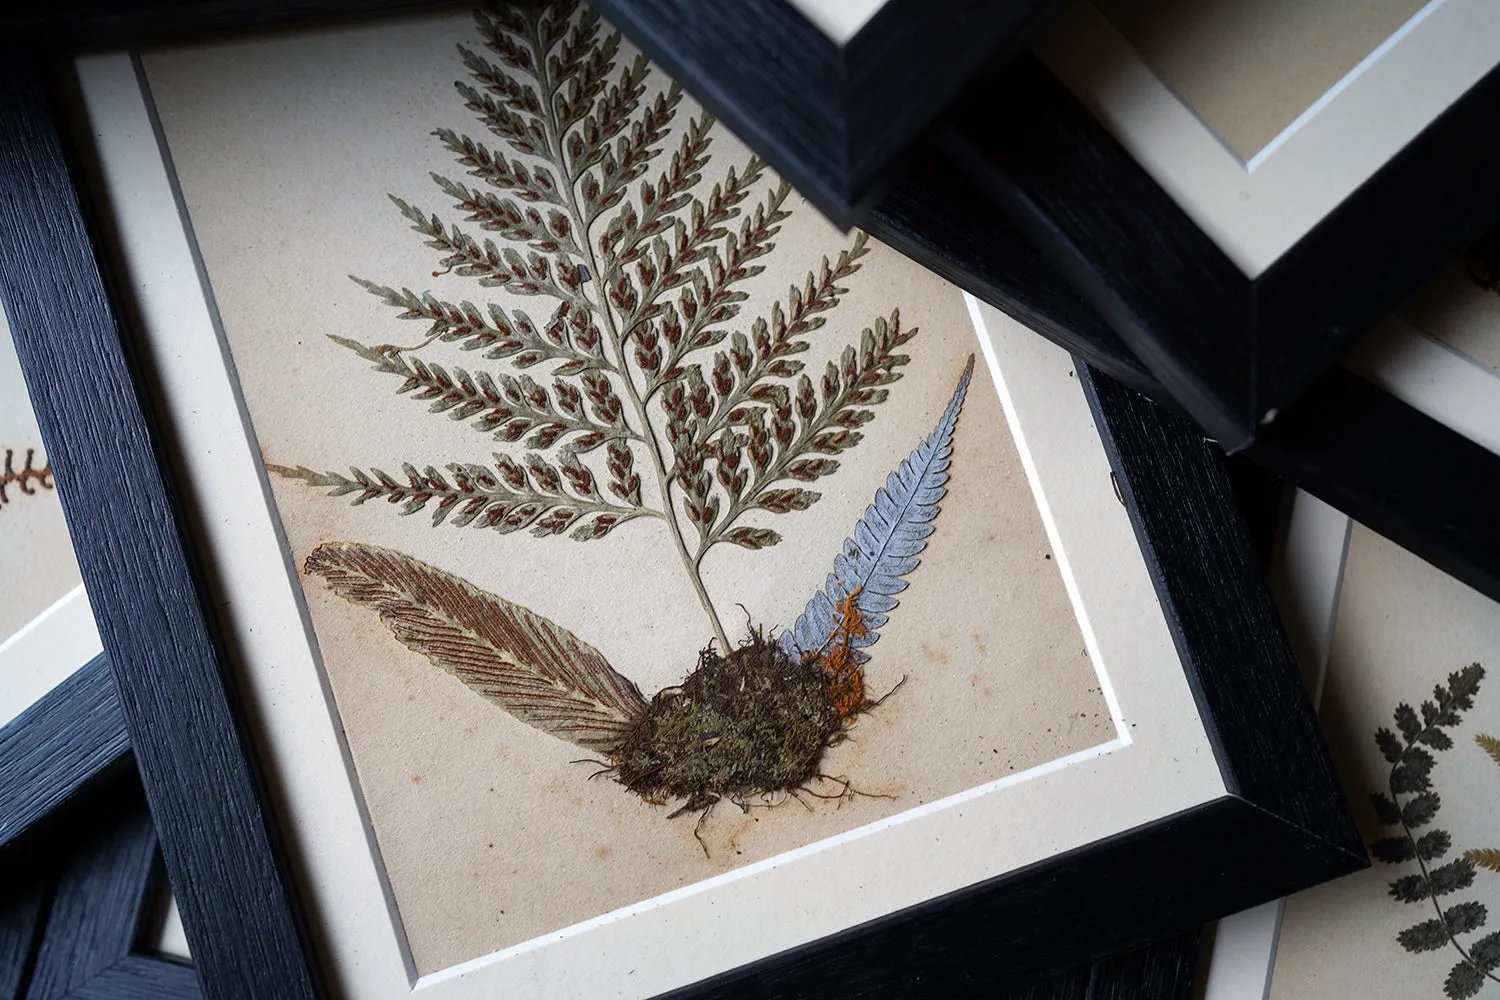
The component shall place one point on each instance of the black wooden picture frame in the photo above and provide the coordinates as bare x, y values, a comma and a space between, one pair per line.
1347, 442
1236, 353
23, 912
73, 737
832, 119
1282, 824
101, 904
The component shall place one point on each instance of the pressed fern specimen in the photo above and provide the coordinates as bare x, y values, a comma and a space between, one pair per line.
639, 372
1410, 803
27, 479
641, 396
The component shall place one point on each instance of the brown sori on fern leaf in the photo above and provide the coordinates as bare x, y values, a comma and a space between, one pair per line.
635, 391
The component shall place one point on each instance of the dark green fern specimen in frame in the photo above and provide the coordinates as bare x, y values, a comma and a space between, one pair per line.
1410, 804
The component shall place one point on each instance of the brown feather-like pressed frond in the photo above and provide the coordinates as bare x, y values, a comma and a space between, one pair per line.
1485, 857
536, 670
1489, 745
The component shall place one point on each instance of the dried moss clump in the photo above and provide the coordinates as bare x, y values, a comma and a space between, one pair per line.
755, 721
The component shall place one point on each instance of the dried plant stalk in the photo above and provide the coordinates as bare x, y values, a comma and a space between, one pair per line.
647, 376
27, 479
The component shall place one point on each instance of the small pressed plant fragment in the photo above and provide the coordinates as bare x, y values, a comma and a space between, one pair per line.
25, 480
635, 396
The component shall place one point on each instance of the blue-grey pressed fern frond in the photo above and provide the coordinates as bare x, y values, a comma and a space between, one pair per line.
885, 544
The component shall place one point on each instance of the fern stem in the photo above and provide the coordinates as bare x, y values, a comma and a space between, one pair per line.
648, 430
1422, 863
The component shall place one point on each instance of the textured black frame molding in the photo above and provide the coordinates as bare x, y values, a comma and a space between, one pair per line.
189, 740
104, 900
23, 910
1282, 825
831, 119
1375, 458
1234, 352
73, 736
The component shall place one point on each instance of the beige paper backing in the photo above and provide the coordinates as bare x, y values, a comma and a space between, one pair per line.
489, 835
1402, 626
37, 565
1460, 313
1250, 67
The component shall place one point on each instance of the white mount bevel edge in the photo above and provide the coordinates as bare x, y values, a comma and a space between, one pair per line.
1256, 210
725, 921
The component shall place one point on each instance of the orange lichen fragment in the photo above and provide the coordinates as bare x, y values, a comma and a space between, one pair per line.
843, 676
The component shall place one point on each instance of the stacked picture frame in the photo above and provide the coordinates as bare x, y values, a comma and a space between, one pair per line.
1127, 233
1007, 222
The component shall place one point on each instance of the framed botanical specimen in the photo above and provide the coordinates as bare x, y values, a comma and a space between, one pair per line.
60, 724
1438, 355
1240, 269
46, 630
800, 566
1415, 747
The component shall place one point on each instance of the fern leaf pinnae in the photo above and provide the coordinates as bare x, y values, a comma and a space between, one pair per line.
536, 670
886, 541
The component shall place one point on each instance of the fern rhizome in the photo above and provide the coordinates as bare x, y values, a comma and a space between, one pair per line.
652, 402
29, 478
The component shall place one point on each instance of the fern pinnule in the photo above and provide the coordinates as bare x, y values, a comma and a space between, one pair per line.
500, 84
510, 407
1490, 745
548, 234
508, 497
621, 240
766, 353
529, 183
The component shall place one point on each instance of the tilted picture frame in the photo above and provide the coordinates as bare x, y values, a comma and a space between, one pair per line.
60, 722
1393, 460
1238, 283
94, 939
180, 660
831, 95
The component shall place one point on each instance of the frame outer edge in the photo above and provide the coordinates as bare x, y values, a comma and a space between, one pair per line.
190, 743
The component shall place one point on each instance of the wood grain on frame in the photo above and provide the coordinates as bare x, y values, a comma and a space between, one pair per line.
189, 740
58, 746
831, 119
103, 896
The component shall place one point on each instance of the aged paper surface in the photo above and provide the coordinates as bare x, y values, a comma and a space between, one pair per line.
1454, 308
40, 567
1250, 67
286, 150
1402, 627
